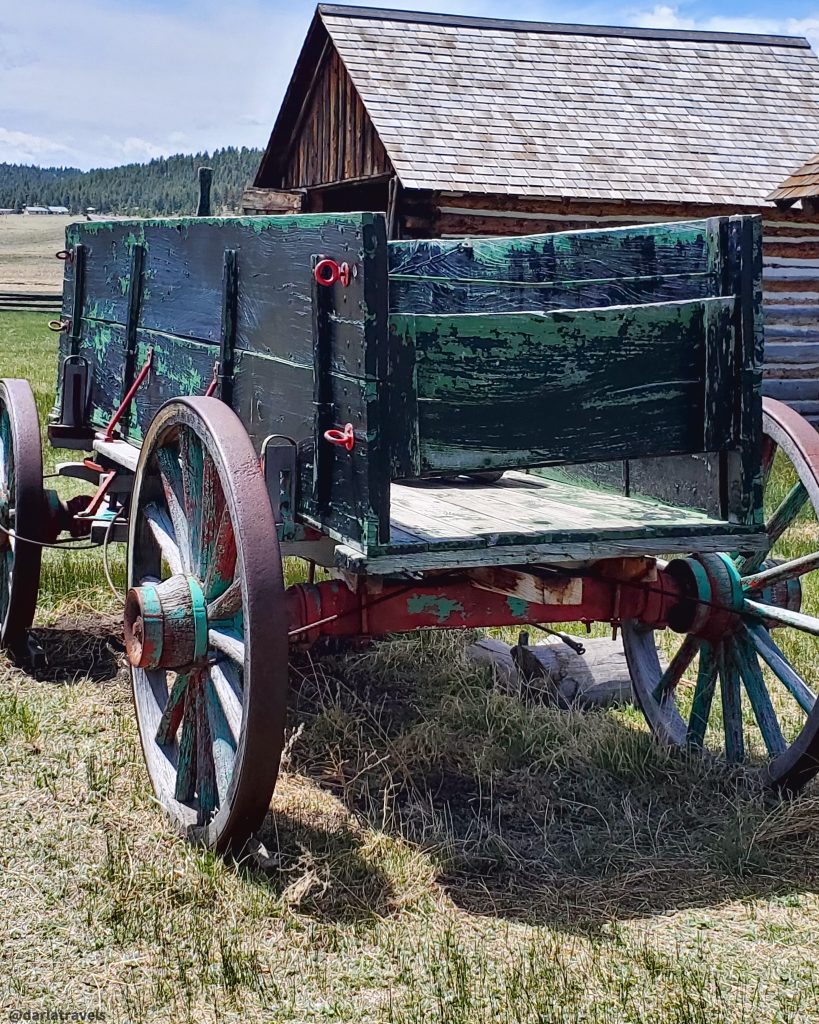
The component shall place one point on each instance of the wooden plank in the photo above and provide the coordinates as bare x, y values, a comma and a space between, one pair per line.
256, 201
179, 367
718, 378
604, 267
522, 508
505, 390
380, 560
445, 296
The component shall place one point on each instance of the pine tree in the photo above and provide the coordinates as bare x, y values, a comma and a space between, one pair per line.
165, 185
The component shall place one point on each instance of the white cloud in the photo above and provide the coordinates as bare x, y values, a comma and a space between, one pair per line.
662, 16
25, 148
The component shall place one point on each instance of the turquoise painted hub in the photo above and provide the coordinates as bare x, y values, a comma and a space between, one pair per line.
166, 624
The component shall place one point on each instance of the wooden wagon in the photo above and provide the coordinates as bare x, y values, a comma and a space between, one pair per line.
473, 433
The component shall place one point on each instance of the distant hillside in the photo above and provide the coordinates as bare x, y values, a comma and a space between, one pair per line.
167, 185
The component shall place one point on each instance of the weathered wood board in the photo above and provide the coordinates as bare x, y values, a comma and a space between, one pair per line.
528, 389
568, 270
522, 519
179, 314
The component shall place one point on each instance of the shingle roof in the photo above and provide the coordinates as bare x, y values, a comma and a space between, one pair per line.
803, 182
473, 105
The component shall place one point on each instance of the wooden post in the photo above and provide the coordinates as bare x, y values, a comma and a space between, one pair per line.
205, 179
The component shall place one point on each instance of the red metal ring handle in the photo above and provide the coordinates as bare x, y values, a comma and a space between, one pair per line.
327, 272
343, 438
65, 254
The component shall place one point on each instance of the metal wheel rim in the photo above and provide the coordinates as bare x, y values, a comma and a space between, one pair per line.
21, 458
794, 767
264, 671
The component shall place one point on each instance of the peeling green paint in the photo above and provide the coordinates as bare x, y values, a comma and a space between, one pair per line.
443, 607
518, 607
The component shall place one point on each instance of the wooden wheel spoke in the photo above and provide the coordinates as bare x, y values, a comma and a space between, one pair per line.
758, 695
213, 508
677, 666
228, 642
790, 570
174, 708
191, 464
223, 738
227, 689
703, 697
205, 769
171, 477
790, 507
160, 525
769, 450
783, 616
730, 689
5, 583
222, 566
781, 667
5, 453
226, 605
186, 762
787, 511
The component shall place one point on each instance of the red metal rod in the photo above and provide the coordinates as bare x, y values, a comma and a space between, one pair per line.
211, 388
94, 504
334, 610
143, 373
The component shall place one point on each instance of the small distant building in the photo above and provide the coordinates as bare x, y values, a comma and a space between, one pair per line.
5, 210
58, 209
36, 209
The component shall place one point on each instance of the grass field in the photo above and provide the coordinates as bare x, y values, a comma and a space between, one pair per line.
440, 851
27, 248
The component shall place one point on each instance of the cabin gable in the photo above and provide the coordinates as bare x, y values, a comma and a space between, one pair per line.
336, 140
323, 135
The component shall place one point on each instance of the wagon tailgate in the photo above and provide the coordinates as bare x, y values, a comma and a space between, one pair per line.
180, 316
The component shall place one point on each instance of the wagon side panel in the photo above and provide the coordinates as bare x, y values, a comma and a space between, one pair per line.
195, 293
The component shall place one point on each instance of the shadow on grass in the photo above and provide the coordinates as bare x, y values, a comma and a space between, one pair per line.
321, 871
534, 814
71, 650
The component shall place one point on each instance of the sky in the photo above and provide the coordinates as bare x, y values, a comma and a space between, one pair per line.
96, 83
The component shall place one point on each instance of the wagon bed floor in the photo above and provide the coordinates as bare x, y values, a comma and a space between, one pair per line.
524, 518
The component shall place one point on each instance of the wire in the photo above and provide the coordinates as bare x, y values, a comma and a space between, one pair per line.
60, 545
105, 542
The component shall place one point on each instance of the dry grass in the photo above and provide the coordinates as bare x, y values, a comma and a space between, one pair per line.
27, 247
438, 853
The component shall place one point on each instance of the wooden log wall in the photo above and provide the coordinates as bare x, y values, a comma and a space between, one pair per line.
790, 254
334, 139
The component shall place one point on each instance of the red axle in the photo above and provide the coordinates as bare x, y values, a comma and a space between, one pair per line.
330, 608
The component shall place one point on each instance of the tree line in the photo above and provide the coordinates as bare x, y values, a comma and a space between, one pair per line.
165, 185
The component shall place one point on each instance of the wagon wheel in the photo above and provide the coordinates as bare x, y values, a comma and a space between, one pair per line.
697, 701
21, 509
206, 623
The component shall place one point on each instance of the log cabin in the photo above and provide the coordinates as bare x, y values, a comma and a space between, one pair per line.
460, 126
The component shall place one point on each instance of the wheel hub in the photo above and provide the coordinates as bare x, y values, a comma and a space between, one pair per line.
713, 596
166, 624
